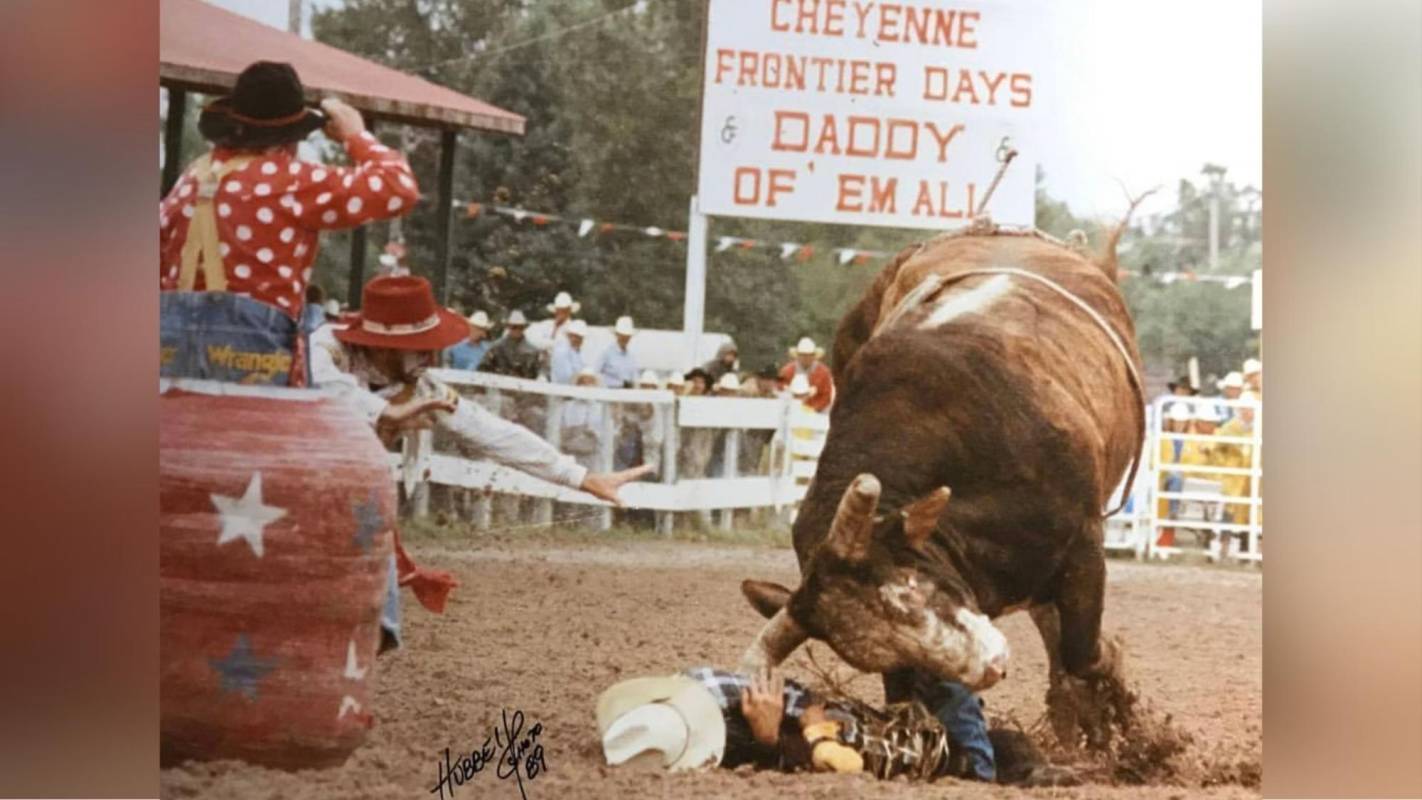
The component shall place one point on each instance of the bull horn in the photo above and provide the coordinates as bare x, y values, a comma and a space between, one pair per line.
921, 516
853, 524
775, 642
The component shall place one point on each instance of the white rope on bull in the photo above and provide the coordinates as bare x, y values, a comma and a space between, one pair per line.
933, 283
983, 225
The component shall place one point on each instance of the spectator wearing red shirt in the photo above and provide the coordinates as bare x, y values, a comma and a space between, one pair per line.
238, 232
806, 361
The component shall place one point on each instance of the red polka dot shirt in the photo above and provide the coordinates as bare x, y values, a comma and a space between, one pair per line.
270, 214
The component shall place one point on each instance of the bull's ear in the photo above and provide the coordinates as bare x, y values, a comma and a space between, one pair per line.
765, 597
921, 516
853, 525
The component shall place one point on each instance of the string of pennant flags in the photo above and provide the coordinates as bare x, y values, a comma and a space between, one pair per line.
798, 251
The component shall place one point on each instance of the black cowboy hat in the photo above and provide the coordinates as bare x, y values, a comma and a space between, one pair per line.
1182, 381
267, 107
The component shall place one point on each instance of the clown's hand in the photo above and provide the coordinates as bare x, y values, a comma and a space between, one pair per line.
413, 415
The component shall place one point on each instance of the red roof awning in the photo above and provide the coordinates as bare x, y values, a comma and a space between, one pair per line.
203, 48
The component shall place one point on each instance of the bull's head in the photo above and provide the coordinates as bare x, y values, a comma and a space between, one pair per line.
868, 593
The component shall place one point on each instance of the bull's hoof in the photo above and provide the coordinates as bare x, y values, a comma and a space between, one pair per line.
1048, 775
1062, 714
1110, 664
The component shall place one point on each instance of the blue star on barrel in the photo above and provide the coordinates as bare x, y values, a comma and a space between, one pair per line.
368, 522
242, 670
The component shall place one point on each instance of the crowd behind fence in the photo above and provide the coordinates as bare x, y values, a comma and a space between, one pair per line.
715, 457
712, 456
1198, 493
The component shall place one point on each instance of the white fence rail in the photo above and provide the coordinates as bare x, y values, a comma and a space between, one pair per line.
712, 454
707, 463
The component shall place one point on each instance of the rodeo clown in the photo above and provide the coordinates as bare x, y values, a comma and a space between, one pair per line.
377, 362
237, 235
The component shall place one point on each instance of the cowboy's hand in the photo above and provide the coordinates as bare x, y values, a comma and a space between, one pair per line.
763, 704
604, 485
342, 121
414, 415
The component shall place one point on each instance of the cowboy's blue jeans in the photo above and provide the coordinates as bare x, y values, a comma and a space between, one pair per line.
961, 713
390, 615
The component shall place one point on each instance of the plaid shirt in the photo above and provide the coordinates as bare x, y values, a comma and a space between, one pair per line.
727, 688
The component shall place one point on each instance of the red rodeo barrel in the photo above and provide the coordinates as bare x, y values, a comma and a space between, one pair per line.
276, 514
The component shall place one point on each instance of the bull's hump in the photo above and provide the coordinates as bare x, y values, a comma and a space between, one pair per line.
950, 305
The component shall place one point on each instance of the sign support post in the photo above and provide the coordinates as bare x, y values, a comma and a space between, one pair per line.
694, 315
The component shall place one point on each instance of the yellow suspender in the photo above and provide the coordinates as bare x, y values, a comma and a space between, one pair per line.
202, 245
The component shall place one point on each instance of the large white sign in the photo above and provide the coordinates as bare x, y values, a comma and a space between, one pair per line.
863, 112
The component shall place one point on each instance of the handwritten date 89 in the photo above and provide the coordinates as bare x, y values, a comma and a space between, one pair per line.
520, 756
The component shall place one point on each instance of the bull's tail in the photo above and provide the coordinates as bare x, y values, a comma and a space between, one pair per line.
1106, 260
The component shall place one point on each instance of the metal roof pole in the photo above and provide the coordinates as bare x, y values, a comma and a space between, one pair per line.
444, 211
173, 138
356, 283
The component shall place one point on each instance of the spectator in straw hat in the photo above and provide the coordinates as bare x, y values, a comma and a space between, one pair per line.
378, 365
513, 354
545, 333
468, 353
567, 365
1238, 455
728, 386
238, 232
1230, 387
616, 364
801, 390
805, 360
1254, 375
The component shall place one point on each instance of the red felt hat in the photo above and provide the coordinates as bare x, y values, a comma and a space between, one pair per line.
399, 312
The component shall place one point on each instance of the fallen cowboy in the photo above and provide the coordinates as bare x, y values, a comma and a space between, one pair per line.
704, 717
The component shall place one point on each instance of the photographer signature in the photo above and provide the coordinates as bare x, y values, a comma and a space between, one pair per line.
520, 757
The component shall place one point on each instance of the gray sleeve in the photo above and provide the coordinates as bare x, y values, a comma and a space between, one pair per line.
511, 444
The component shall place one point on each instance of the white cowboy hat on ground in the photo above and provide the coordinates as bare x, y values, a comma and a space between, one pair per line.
649, 378
577, 328
624, 327
674, 720
1252, 366
730, 382
517, 319
564, 300
480, 320
800, 385
1234, 380
806, 347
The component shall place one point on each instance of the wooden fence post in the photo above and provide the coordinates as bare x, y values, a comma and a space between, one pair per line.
730, 468
605, 446
671, 447
553, 432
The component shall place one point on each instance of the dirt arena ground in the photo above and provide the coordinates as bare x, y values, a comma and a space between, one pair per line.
543, 625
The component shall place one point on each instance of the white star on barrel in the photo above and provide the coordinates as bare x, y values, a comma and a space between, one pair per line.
246, 517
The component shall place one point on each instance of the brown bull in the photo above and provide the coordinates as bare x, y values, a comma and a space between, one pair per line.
982, 424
